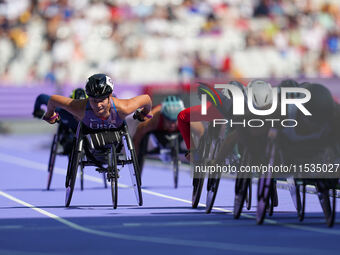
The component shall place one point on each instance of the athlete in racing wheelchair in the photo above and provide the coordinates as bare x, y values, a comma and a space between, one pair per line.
63, 139
163, 131
101, 133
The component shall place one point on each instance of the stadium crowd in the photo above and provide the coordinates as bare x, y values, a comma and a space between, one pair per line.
145, 41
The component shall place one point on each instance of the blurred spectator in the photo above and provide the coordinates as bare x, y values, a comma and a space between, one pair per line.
141, 41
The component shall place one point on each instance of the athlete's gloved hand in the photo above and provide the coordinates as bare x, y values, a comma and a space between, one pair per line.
53, 119
139, 115
38, 113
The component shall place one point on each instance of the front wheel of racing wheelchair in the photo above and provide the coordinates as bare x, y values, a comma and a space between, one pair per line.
63, 139
103, 147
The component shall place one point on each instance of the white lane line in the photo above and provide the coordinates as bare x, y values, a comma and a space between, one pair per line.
39, 166
172, 224
11, 227
164, 240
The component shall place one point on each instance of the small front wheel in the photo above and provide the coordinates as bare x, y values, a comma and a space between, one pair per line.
51, 161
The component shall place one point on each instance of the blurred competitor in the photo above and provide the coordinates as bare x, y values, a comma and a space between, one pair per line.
315, 139
67, 121
100, 110
193, 114
66, 118
163, 123
309, 140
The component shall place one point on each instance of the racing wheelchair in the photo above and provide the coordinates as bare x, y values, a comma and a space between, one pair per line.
167, 148
62, 145
207, 149
326, 189
103, 148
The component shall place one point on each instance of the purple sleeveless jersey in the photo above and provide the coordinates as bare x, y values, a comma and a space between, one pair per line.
93, 122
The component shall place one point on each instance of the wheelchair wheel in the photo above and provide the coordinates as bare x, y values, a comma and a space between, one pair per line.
301, 214
198, 180
176, 162
331, 219
73, 165
197, 189
81, 177
105, 182
241, 187
133, 168
212, 187
249, 195
213, 183
264, 189
273, 200
327, 201
51, 161
112, 175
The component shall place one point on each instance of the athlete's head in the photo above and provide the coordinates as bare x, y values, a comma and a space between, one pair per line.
262, 94
289, 83
99, 88
321, 105
78, 93
171, 107
227, 92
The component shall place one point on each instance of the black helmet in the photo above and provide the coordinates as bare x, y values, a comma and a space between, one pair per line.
238, 84
321, 105
289, 83
99, 86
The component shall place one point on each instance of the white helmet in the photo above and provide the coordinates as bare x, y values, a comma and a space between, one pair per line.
262, 93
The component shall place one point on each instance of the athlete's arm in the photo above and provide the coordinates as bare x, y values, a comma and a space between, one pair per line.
145, 127
227, 146
128, 106
74, 106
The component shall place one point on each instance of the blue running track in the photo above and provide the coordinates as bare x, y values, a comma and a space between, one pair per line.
35, 221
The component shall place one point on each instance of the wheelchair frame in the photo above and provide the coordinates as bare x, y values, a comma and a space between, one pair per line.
54, 152
111, 159
175, 151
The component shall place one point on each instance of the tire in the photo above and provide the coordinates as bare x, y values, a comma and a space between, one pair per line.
203, 151
301, 214
51, 161
241, 187
249, 195
197, 190
327, 202
81, 178
264, 189
104, 180
112, 176
175, 161
72, 170
137, 188
212, 188
133, 167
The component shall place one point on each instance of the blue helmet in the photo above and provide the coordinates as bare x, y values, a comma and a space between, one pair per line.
171, 107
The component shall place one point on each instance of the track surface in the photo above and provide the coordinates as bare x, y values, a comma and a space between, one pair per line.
35, 221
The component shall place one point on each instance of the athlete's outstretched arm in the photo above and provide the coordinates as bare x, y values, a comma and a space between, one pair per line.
73, 106
128, 106
145, 127
227, 146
